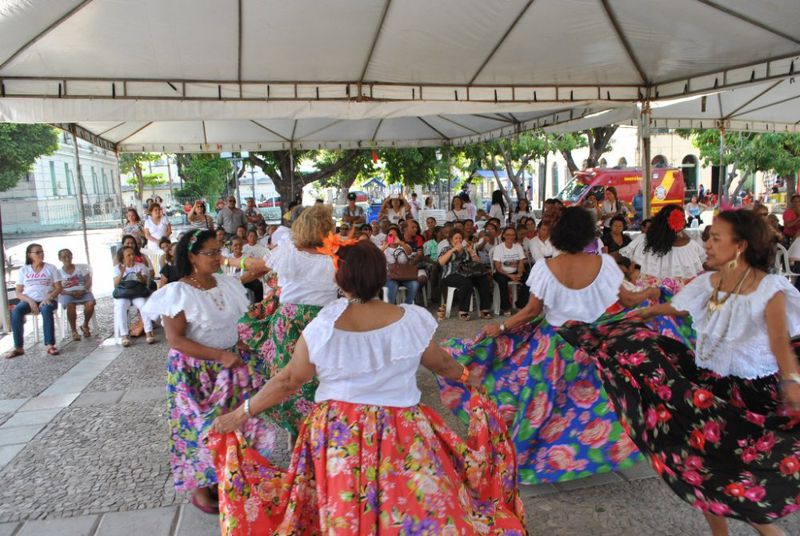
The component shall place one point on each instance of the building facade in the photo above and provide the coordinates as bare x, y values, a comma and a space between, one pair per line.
46, 199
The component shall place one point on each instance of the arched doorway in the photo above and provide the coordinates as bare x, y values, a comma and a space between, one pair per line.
659, 161
622, 163
602, 163
691, 173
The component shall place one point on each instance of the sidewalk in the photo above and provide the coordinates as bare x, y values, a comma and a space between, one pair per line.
83, 451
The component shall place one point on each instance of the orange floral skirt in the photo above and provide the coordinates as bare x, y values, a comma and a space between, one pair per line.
362, 469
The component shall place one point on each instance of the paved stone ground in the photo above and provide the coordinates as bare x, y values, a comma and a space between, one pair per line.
83, 451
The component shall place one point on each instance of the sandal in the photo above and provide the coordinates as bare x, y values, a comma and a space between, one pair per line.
486, 315
126, 342
86, 332
76, 336
16, 352
214, 510
463, 315
149, 338
53, 351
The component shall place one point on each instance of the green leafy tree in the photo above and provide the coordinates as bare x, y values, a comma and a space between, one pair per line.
598, 140
134, 163
748, 152
204, 175
359, 169
20, 146
148, 180
283, 169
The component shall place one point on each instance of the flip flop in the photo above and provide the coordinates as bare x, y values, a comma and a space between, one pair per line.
53, 351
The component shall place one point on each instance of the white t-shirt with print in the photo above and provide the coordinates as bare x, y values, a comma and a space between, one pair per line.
508, 257
37, 285
131, 271
77, 279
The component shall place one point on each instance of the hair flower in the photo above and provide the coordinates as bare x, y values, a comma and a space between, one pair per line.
676, 221
331, 244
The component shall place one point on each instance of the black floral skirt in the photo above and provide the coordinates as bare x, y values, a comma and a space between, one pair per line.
725, 445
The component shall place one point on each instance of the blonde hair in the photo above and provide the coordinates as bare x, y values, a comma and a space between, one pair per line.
312, 225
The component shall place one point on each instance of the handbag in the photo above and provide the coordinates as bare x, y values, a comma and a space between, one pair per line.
129, 290
470, 268
401, 272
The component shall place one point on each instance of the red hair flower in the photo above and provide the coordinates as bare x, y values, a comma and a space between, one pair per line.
331, 244
676, 221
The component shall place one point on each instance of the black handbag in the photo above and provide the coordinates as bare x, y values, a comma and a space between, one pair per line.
129, 290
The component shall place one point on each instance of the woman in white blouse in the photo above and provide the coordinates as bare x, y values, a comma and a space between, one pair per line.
720, 423
667, 255
305, 278
382, 458
457, 210
156, 227
206, 372
394, 209
540, 246
498, 208
541, 383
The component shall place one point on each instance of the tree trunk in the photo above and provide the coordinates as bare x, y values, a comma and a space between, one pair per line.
791, 186
573, 168
137, 170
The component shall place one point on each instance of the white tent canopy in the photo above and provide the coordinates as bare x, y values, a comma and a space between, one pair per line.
212, 75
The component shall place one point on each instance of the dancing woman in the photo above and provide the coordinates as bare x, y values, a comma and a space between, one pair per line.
206, 375
720, 423
305, 279
370, 459
550, 394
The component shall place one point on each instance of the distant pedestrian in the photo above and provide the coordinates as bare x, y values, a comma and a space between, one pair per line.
156, 227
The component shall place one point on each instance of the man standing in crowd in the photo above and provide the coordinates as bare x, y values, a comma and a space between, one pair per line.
252, 214
230, 217
415, 206
353, 214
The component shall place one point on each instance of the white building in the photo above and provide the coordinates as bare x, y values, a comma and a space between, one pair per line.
46, 199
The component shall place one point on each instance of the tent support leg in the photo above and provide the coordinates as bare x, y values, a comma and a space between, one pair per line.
644, 133
80, 191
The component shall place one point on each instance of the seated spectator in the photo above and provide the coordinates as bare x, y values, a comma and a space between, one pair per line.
429, 232
130, 271
164, 245
37, 288
398, 252
139, 257
252, 248
169, 273
262, 231
412, 236
459, 262
615, 238
378, 236
225, 249
509, 259
487, 240
76, 285
540, 246
133, 226
241, 232
249, 279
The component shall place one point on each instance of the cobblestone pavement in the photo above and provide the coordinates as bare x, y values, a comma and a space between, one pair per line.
83, 451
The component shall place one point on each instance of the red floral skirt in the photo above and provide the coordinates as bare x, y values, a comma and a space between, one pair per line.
362, 469
725, 445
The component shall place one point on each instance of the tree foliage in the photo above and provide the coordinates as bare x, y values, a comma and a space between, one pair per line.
412, 166
749, 152
20, 146
203, 175
134, 163
360, 168
148, 180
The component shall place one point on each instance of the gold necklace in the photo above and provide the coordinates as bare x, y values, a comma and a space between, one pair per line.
714, 302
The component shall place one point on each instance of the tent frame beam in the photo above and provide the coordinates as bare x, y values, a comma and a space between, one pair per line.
501, 41
55, 24
753, 22
374, 42
612, 18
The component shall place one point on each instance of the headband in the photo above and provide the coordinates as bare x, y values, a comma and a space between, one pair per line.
193, 239
331, 245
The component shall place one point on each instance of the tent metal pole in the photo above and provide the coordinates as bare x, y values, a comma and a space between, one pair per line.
722, 175
644, 133
4, 290
80, 191
291, 170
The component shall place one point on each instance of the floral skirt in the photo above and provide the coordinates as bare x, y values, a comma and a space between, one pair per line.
271, 329
198, 391
725, 445
362, 469
552, 400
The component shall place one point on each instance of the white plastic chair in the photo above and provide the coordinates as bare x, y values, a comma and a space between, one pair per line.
513, 285
59, 324
783, 264
64, 321
474, 302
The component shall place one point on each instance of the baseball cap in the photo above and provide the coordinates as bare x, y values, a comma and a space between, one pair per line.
351, 196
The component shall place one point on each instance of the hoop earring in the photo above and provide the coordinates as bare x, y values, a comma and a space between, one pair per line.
732, 265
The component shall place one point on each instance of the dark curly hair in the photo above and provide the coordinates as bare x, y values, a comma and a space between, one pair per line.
189, 243
749, 227
660, 238
574, 231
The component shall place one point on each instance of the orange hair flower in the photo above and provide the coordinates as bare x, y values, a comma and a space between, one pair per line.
331, 244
